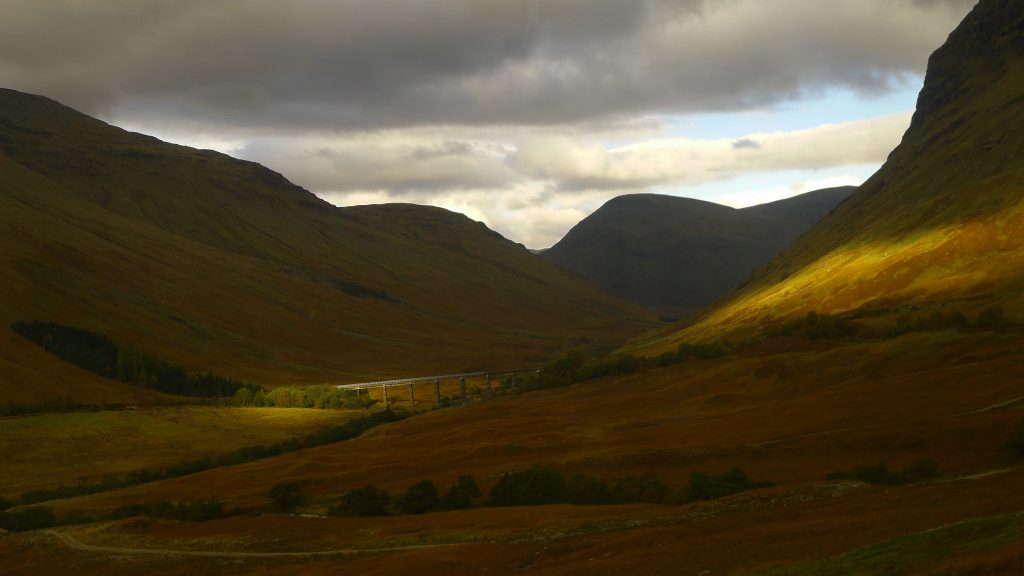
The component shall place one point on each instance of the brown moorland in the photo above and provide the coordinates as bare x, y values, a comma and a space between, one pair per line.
784, 409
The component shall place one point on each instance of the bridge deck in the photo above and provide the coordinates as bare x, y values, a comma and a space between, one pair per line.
425, 379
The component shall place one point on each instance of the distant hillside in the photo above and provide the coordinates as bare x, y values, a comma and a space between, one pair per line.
939, 226
221, 264
677, 255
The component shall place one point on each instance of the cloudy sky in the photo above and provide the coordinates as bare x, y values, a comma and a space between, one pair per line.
526, 114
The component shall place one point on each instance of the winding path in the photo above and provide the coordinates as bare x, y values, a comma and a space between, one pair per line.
72, 542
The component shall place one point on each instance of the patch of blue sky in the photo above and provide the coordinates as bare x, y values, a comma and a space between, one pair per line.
759, 187
831, 107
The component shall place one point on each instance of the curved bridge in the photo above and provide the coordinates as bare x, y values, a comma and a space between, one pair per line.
436, 381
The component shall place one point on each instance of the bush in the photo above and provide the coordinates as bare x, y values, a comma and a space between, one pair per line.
366, 501
644, 489
705, 486
420, 498
287, 496
582, 489
815, 326
535, 486
924, 469
27, 519
5, 504
465, 493
992, 318
917, 471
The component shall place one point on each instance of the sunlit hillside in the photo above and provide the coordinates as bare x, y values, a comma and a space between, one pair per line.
940, 225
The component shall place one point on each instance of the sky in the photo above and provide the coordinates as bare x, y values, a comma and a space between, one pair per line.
525, 114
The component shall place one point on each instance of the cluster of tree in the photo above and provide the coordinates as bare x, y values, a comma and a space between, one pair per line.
99, 355
686, 351
317, 397
82, 348
707, 486
420, 498
818, 326
538, 485
579, 366
326, 435
26, 519
988, 319
917, 471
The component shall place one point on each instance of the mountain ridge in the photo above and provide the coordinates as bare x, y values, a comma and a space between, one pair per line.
221, 264
677, 255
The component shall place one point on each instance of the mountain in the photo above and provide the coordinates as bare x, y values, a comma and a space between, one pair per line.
677, 255
938, 229
221, 264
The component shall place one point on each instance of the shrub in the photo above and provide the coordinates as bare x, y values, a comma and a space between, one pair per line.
287, 496
582, 489
872, 474
917, 471
465, 493
644, 489
992, 318
366, 501
705, 486
420, 498
815, 326
924, 469
26, 519
702, 351
537, 485
5, 504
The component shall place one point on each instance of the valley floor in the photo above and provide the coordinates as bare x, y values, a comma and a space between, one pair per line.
788, 411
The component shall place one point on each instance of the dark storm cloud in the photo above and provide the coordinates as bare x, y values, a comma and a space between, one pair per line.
367, 64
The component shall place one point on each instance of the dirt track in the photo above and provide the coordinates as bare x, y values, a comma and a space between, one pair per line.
71, 542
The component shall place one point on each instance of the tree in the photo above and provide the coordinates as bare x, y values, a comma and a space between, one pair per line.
538, 485
287, 496
582, 489
420, 498
242, 397
465, 493
366, 501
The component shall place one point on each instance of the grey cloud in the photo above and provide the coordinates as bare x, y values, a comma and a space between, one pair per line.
745, 143
267, 65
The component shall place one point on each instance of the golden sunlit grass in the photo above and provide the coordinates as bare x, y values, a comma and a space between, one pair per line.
51, 450
941, 222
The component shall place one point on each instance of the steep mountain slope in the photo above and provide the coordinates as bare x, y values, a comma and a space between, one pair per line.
224, 265
677, 255
941, 223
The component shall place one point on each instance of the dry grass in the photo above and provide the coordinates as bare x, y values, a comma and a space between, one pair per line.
60, 449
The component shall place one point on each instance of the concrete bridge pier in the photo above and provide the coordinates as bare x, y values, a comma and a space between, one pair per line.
412, 395
490, 389
384, 395
437, 392
462, 387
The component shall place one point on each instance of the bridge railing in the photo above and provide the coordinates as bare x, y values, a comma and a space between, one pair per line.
430, 379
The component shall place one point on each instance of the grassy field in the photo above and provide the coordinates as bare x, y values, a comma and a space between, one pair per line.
790, 415
58, 449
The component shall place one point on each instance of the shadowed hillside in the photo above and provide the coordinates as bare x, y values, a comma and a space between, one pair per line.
941, 223
222, 264
677, 255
